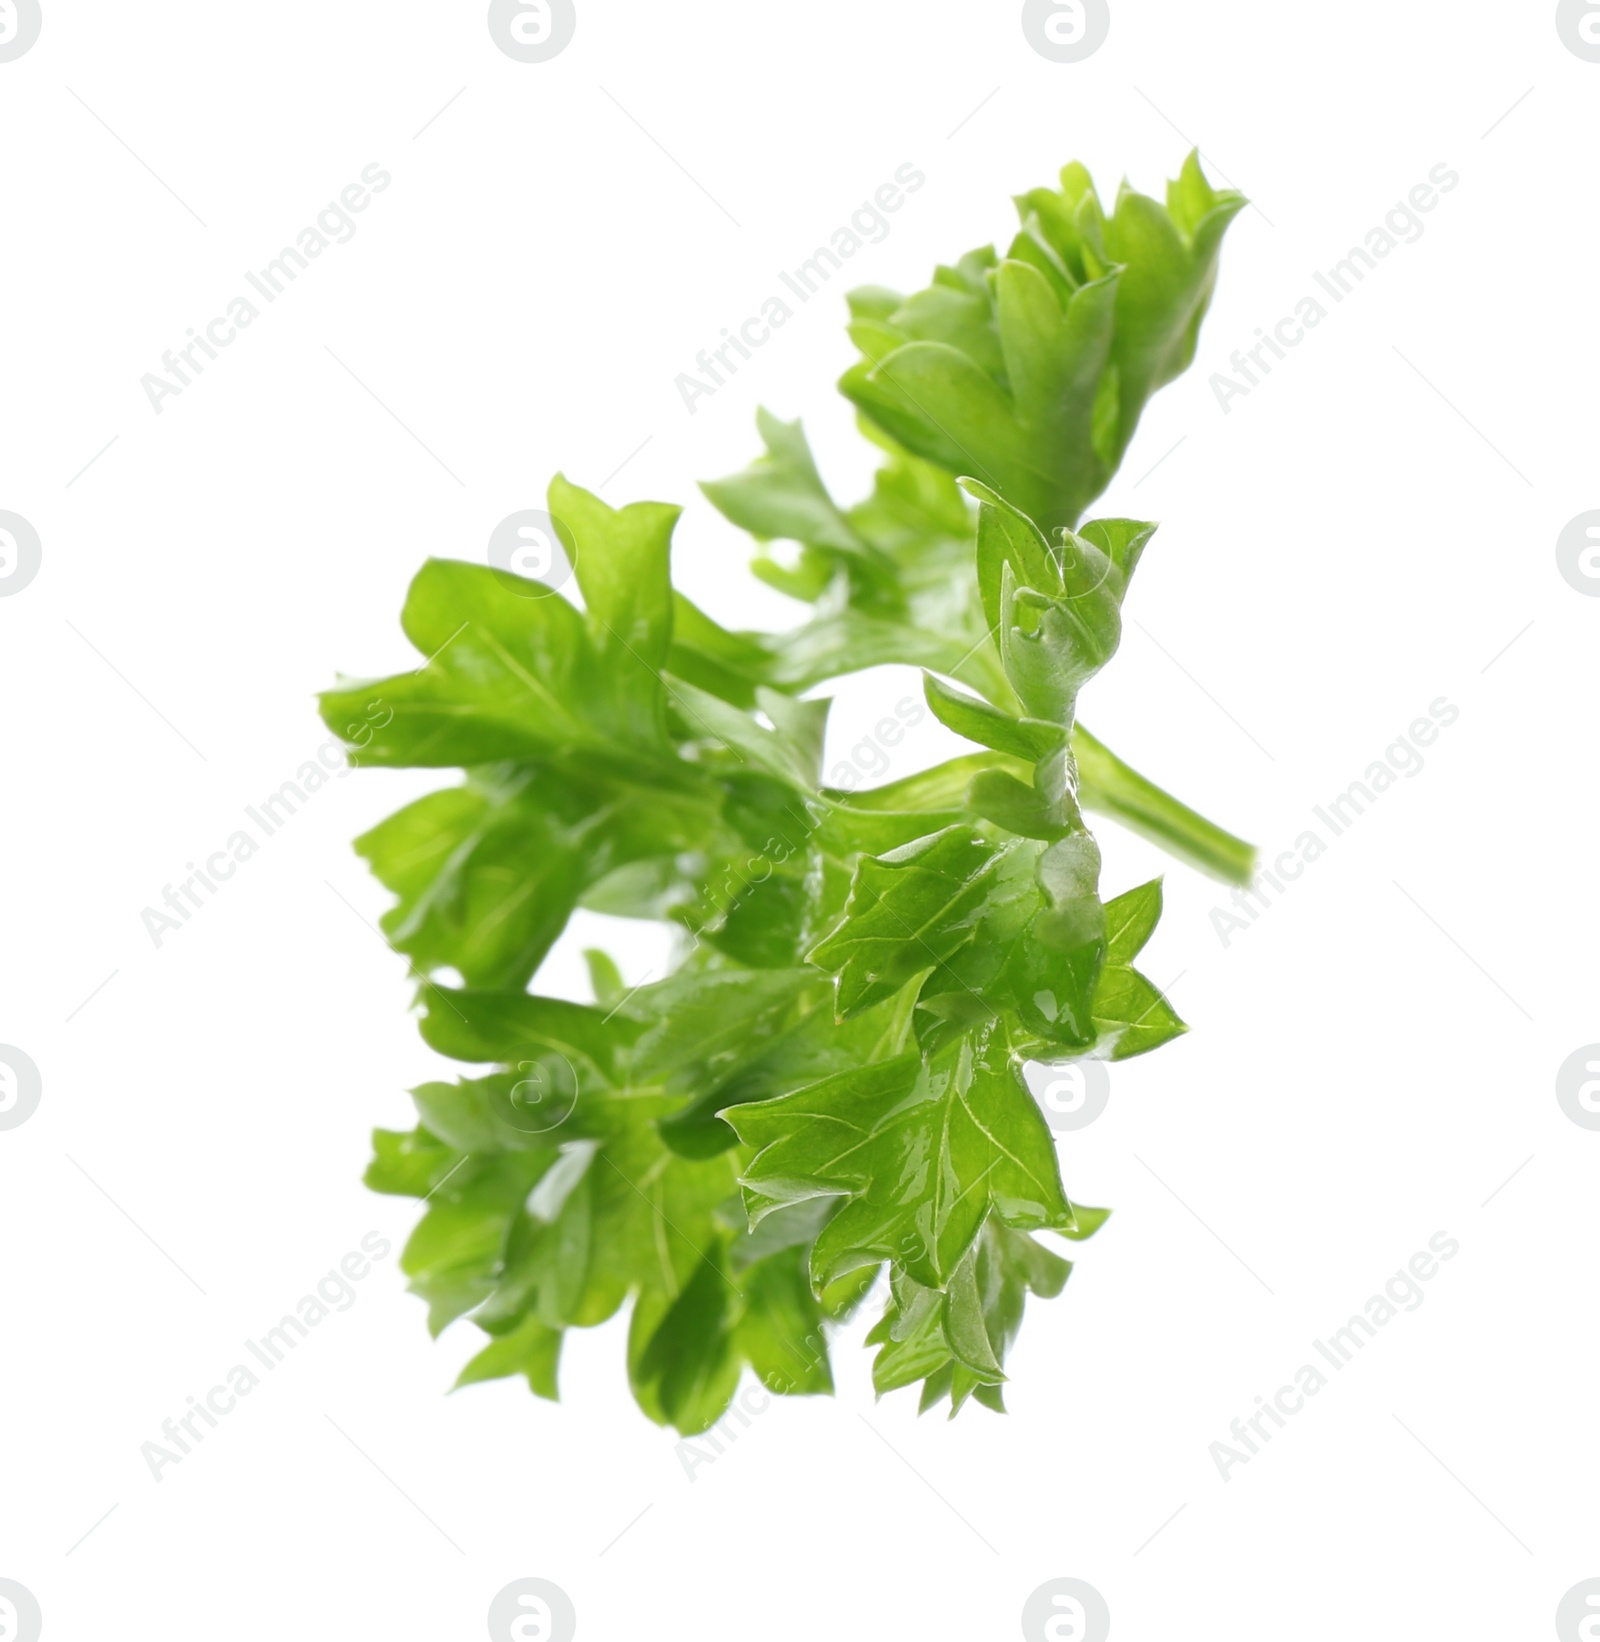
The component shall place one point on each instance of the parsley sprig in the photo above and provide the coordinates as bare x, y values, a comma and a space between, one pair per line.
828, 1086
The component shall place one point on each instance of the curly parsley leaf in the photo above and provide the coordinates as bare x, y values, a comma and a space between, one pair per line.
1030, 371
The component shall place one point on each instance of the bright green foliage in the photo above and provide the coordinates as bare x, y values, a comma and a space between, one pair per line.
1030, 371
827, 1087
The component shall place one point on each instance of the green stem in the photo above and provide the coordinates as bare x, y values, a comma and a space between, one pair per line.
1110, 787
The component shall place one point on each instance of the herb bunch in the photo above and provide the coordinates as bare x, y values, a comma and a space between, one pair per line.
827, 1089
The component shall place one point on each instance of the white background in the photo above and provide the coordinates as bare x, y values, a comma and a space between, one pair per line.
1368, 1063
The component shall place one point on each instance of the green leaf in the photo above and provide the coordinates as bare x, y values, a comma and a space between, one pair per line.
803, 724
1123, 541
944, 787
698, 1027
1166, 288
454, 1253
1030, 373
762, 924
1131, 920
408, 1165
1008, 537
998, 796
1029, 738
545, 1271
1038, 947
511, 1026
493, 1114
486, 879
605, 979
622, 562
1056, 966
780, 1333
908, 911
1053, 642
531, 1350
683, 1361
1086, 1222
935, 401
752, 745
725, 664
815, 1047
925, 1151
781, 496
505, 676
957, 1341
1132, 1015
